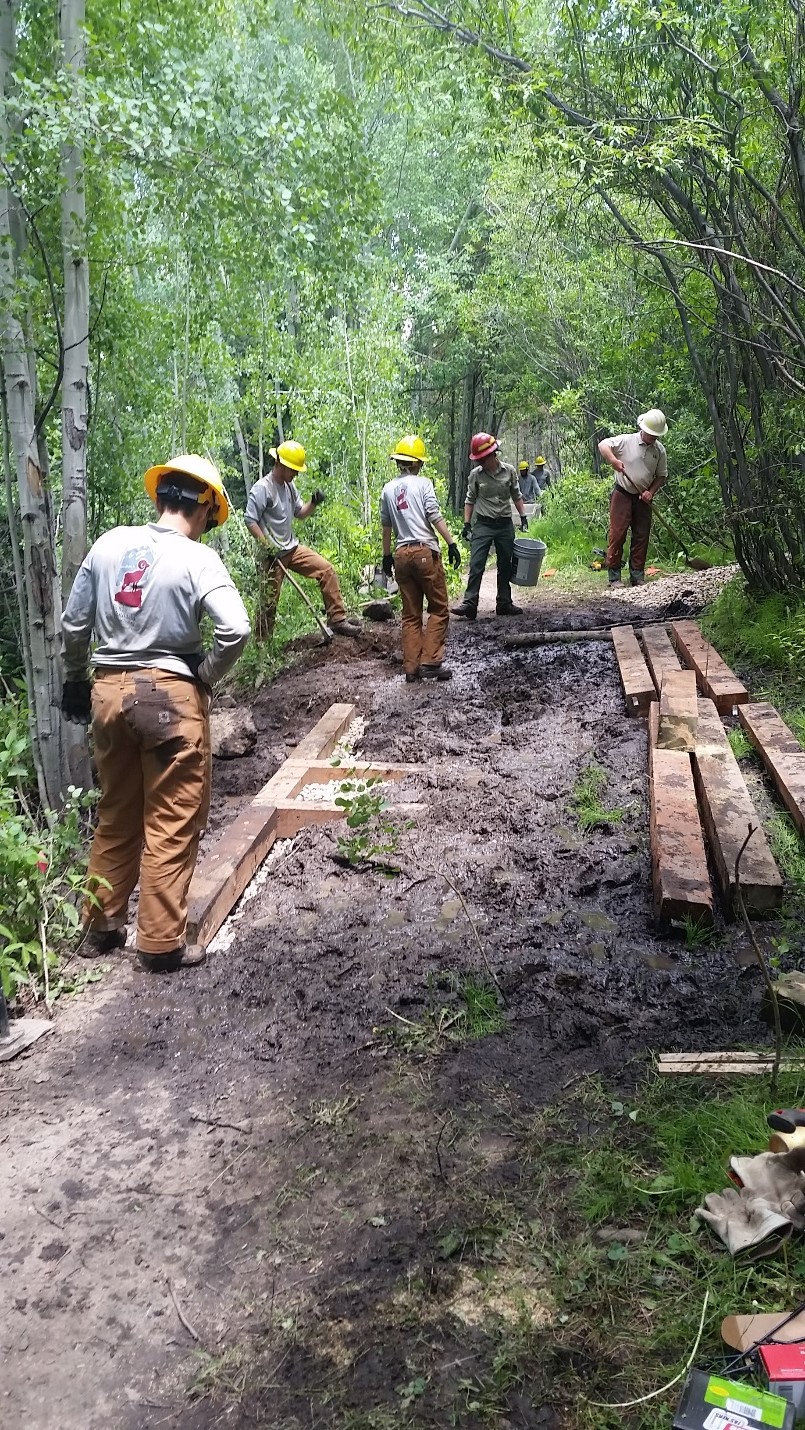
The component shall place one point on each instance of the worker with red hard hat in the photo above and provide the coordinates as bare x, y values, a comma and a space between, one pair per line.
492, 488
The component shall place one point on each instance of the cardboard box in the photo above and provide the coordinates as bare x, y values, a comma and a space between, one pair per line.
784, 1367
710, 1402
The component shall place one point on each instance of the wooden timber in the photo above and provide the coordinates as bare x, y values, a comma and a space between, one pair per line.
781, 753
727, 812
638, 686
660, 654
529, 638
680, 878
723, 1064
679, 714
223, 874
322, 739
714, 678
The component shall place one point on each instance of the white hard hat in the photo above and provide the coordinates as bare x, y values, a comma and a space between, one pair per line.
653, 422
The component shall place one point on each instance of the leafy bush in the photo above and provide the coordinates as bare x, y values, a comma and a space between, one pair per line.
764, 631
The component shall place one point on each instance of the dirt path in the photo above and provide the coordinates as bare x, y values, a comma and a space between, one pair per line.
345, 1204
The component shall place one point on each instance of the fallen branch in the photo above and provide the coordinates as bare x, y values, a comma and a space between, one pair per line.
530, 638
211, 1122
490, 970
758, 952
191, 1330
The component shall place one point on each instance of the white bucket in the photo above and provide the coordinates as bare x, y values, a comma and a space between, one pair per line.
528, 557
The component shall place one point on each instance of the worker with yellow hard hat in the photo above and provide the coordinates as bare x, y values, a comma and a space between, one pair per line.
529, 487
273, 504
142, 592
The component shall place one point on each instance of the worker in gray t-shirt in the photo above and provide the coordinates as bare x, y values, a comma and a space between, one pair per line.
143, 591
409, 510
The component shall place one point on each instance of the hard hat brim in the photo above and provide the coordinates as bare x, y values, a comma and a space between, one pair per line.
153, 476
403, 457
272, 451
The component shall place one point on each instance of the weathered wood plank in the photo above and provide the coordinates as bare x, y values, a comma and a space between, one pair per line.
638, 686
679, 713
721, 1065
326, 733
727, 812
680, 877
230, 865
781, 753
660, 654
714, 677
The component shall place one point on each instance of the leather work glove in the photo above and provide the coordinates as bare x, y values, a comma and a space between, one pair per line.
318, 497
454, 555
466, 531
746, 1224
778, 1178
76, 702
524, 523
388, 565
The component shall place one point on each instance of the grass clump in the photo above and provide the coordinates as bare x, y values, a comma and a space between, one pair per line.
474, 1012
788, 848
740, 744
766, 631
586, 799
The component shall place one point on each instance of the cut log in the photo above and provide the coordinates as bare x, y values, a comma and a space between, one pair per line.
679, 713
727, 812
638, 686
660, 654
680, 877
714, 678
529, 638
781, 753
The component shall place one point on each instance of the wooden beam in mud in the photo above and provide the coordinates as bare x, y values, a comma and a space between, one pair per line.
781, 753
713, 676
326, 733
531, 638
680, 877
223, 874
660, 654
727, 812
638, 686
679, 714
722, 1064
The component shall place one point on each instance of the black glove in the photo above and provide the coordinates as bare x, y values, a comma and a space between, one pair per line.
388, 565
195, 661
524, 523
318, 497
76, 704
466, 531
453, 554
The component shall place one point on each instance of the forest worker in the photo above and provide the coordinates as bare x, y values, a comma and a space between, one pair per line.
492, 488
410, 510
143, 591
540, 473
272, 505
529, 487
641, 468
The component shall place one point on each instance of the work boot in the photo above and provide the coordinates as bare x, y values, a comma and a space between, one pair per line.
188, 956
436, 672
508, 610
614, 576
97, 943
467, 612
346, 628
413, 675
637, 578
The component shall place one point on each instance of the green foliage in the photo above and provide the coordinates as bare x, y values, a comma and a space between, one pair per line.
766, 631
788, 848
474, 1011
375, 838
42, 865
740, 744
586, 799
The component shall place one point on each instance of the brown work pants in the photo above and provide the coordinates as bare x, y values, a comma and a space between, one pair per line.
303, 562
627, 511
420, 577
152, 747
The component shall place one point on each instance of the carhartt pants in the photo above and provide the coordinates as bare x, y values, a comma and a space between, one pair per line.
420, 577
628, 511
485, 534
303, 562
152, 747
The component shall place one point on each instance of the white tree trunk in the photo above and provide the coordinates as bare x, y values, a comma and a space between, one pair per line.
75, 384
42, 600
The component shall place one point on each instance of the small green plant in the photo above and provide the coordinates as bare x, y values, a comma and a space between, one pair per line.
586, 799
789, 851
476, 1014
375, 838
740, 744
697, 934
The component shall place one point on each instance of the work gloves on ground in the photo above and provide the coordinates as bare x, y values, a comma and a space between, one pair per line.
524, 523
318, 497
466, 531
454, 555
388, 565
76, 702
756, 1218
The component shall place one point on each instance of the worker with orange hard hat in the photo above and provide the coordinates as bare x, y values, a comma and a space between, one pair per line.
491, 490
270, 510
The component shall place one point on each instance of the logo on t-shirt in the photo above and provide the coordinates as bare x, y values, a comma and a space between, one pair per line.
131, 577
401, 498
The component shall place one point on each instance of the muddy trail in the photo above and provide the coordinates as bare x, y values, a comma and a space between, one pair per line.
271, 1191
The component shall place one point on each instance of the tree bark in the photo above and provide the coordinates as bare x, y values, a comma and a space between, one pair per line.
75, 384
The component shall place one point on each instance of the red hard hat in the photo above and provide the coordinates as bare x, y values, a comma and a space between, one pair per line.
483, 445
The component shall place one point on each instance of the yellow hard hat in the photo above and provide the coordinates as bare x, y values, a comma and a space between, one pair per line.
524, 466
409, 449
291, 454
539, 462
201, 469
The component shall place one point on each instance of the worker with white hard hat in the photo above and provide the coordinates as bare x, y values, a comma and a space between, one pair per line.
641, 468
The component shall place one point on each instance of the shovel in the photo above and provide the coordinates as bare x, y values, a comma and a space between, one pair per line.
694, 563
325, 629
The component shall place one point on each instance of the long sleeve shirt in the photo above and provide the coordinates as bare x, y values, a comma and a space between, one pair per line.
142, 592
409, 505
490, 493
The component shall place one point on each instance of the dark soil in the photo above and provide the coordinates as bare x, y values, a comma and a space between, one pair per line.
335, 1195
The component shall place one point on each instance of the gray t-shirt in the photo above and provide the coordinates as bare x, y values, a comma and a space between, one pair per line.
143, 591
529, 486
273, 505
409, 505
